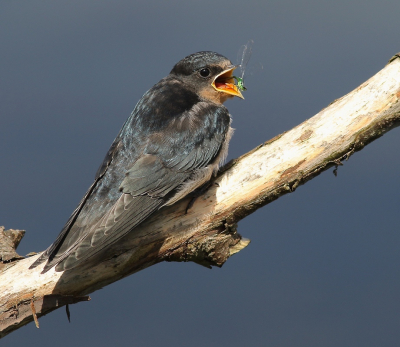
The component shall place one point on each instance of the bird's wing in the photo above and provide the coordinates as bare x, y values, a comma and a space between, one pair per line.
51, 251
188, 144
133, 206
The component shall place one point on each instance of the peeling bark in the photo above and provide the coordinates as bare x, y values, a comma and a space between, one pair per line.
28, 308
207, 235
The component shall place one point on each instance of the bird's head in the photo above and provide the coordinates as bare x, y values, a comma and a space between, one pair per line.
210, 74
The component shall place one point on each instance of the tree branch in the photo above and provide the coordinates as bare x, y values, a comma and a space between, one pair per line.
207, 235
9, 241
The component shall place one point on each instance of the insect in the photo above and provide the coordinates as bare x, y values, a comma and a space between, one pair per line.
244, 55
240, 83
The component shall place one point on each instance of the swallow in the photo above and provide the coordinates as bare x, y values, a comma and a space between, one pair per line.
173, 143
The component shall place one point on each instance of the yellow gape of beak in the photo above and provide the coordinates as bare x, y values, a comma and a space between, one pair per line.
224, 82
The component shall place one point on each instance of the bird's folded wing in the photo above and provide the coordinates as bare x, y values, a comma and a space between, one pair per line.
142, 192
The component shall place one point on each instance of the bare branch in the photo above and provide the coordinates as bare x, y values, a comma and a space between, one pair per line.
9, 241
207, 235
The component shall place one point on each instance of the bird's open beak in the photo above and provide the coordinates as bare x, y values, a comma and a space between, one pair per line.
225, 83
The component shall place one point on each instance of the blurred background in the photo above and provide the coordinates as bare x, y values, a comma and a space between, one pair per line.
323, 266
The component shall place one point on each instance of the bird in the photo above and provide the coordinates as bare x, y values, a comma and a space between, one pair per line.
171, 145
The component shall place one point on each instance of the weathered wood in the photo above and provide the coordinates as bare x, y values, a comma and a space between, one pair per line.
29, 307
207, 234
9, 241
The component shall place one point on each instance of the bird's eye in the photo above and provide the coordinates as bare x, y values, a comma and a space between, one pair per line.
205, 72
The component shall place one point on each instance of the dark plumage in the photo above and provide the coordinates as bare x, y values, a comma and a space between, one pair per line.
174, 140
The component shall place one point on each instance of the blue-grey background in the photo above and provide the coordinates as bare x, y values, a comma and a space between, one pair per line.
323, 266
